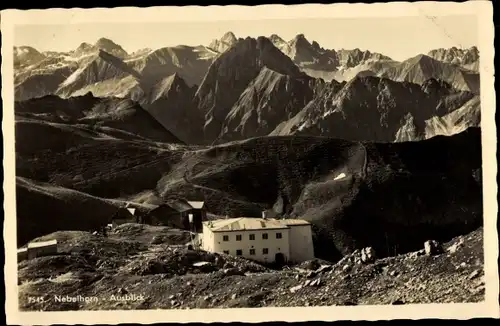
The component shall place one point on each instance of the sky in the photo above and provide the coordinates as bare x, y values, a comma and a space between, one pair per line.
397, 37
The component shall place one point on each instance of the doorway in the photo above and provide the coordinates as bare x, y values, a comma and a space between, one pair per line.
279, 259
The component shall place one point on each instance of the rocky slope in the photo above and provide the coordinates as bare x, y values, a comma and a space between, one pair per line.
163, 275
268, 100
367, 108
468, 115
229, 76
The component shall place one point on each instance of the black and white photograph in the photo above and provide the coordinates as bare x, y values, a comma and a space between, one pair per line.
250, 161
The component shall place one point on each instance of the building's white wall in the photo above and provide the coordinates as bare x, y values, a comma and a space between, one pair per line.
273, 244
207, 239
301, 245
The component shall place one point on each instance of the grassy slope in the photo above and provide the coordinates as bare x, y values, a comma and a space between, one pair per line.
43, 208
86, 160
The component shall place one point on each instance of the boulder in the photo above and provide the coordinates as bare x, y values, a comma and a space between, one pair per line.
432, 247
457, 245
310, 265
368, 255
324, 268
316, 282
233, 271
295, 288
157, 239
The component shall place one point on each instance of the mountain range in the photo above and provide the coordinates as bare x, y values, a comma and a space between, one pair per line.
237, 88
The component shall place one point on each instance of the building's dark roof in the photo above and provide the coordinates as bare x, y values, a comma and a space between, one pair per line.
179, 205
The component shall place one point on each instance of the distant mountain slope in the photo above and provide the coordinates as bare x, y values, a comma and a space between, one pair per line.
191, 63
102, 68
323, 63
417, 70
421, 68
365, 206
115, 113
231, 73
170, 102
467, 58
105, 68
372, 108
41, 84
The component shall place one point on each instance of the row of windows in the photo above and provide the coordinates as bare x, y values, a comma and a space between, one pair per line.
252, 236
239, 252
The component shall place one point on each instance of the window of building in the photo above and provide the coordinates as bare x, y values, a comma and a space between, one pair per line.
226, 252
264, 236
278, 235
239, 252
265, 251
238, 237
252, 236
252, 251
225, 238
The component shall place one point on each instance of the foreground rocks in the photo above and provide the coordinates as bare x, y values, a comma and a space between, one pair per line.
133, 273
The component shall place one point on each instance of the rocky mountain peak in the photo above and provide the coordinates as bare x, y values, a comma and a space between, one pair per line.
27, 55
276, 38
229, 37
224, 43
110, 47
300, 41
104, 43
84, 46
